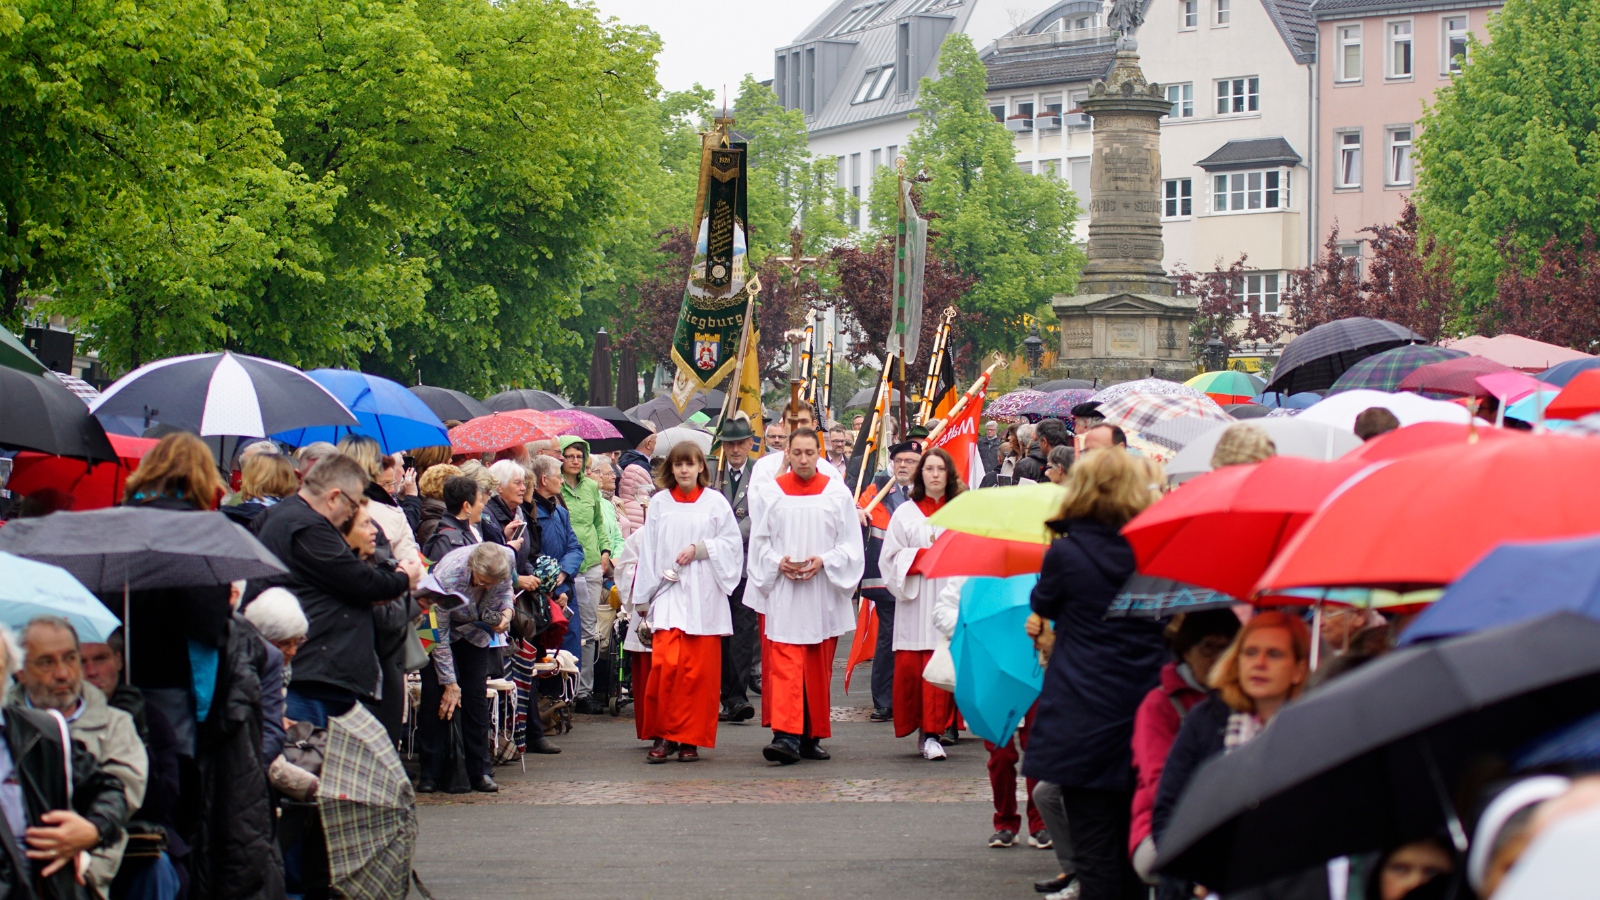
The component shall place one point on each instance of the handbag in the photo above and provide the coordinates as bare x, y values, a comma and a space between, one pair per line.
414, 658
454, 764
941, 668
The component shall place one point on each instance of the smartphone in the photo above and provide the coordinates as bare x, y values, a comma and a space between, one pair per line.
515, 528
408, 461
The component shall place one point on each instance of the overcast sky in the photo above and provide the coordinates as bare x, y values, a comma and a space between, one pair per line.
716, 43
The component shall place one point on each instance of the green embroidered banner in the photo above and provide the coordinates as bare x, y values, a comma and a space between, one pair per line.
720, 287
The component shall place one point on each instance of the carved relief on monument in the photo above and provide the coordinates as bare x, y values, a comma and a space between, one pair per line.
1079, 336
1169, 338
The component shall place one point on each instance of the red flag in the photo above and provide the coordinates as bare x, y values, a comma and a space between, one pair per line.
960, 440
866, 639
879, 517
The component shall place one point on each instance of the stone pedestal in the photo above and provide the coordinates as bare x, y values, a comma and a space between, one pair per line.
1125, 321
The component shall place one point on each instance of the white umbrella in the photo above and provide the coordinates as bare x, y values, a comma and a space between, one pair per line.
222, 394
1340, 410
1293, 436
668, 437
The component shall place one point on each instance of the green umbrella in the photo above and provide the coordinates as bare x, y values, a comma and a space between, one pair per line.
15, 354
1007, 513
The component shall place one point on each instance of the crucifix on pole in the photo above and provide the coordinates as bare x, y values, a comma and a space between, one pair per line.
796, 262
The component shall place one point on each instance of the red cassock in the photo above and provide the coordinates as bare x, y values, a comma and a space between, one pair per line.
918, 705
641, 700
685, 686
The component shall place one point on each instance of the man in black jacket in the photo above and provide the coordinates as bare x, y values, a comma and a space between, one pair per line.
338, 662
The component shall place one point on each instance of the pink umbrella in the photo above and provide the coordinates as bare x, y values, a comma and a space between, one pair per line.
600, 434
1516, 352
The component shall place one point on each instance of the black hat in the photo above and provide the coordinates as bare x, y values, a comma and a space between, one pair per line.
1089, 409
905, 447
735, 428
917, 432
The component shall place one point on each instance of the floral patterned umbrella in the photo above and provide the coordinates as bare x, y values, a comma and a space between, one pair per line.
602, 436
1146, 386
1057, 405
497, 431
1009, 406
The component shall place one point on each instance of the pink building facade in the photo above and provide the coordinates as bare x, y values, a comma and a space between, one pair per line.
1379, 64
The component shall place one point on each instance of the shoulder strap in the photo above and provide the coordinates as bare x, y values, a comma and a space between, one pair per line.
66, 751
1178, 705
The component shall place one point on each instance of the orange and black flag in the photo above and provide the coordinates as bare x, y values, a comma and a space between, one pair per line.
947, 393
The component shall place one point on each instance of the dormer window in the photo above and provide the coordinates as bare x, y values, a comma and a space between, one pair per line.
874, 84
1070, 18
859, 17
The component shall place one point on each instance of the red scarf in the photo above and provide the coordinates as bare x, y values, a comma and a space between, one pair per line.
791, 484
929, 505
679, 495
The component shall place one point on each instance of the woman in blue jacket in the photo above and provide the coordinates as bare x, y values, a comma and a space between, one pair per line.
559, 542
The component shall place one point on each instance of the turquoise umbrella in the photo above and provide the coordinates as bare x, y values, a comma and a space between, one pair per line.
998, 675
29, 589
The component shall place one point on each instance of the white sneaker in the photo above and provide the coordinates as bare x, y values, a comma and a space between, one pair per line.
931, 748
1070, 892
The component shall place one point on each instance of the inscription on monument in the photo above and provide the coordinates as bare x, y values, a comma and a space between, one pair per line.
1123, 339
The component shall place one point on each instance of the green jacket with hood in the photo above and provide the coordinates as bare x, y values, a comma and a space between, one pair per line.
586, 507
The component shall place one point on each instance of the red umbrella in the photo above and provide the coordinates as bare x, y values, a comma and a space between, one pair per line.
1579, 398
958, 553
497, 431
1426, 436
1421, 521
90, 487
1452, 378
1222, 529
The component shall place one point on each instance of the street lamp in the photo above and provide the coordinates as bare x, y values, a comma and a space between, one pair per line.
1033, 348
1216, 353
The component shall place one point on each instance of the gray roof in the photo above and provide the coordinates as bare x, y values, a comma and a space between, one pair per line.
1251, 154
1012, 70
1296, 26
1332, 9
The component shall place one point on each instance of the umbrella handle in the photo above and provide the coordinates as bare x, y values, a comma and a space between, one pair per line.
1458, 834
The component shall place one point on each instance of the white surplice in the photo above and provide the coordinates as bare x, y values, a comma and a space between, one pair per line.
627, 568
771, 466
914, 595
698, 602
800, 527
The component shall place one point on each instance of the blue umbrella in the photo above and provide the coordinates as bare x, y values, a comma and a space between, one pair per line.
1561, 373
998, 675
1514, 583
1275, 400
386, 411
29, 589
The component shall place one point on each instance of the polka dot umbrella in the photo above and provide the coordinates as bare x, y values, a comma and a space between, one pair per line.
497, 431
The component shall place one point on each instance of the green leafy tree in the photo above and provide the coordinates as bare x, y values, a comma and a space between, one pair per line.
1011, 232
789, 187
1512, 145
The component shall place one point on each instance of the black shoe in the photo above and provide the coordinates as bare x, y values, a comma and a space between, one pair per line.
427, 786
724, 716
881, 714
486, 785
782, 750
755, 686
744, 712
543, 745
951, 737
813, 750
586, 707
1051, 885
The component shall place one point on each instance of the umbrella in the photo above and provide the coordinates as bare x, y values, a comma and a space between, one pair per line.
39, 414
1514, 583
14, 354
1452, 378
1340, 410
959, 553
1579, 398
1562, 373
525, 398
448, 404
1275, 400
91, 485
1138, 411
1292, 437
631, 431
1384, 371
142, 548
664, 414
385, 411
29, 589
1242, 411
1370, 760
627, 378
1227, 386
601, 436
1066, 384
1517, 352
1222, 529
368, 810
863, 398
1420, 521
1149, 597
600, 368
667, 438
223, 394
1182, 431
1507, 387
1531, 408
1006, 513
499, 430
998, 674
1056, 405
1145, 386
1009, 406
1409, 439
85, 391
1315, 360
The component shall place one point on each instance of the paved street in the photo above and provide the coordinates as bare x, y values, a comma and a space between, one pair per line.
875, 821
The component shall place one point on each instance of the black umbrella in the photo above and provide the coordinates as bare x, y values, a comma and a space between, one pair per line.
1247, 410
1315, 360
627, 378
632, 431
1374, 759
863, 398
1066, 384
1149, 597
223, 394
39, 414
600, 369
448, 404
524, 398
664, 414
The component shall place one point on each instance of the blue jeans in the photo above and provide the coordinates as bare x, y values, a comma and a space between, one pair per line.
314, 705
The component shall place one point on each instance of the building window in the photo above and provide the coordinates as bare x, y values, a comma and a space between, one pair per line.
1258, 292
1181, 96
1455, 44
1349, 150
1050, 168
877, 163
1349, 53
1224, 13
1177, 198
1400, 49
1022, 106
1351, 252
1081, 123
1236, 96
998, 110
1399, 171
1250, 191
893, 154
1191, 13
1078, 171
874, 84
1025, 167
859, 17
855, 175
902, 56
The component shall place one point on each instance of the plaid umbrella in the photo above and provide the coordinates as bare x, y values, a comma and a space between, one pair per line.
1452, 378
368, 808
1145, 386
1056, 405
497, 431
1384, 371
1137, 411
1009, 406
1315, 360
1182, 431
